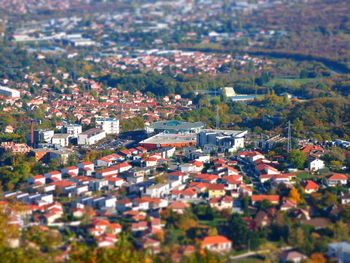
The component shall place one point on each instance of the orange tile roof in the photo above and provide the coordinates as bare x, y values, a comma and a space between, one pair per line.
271, 198
338, 177
213, 240
311, 185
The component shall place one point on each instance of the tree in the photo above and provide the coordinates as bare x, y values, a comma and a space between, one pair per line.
296, 237
294, 195
297, 158
340, 231
317, 258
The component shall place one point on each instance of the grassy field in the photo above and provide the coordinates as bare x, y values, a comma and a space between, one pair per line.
212, 223
289, 81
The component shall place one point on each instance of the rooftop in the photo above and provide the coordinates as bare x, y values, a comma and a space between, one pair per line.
163, 138
225, 133
176, 125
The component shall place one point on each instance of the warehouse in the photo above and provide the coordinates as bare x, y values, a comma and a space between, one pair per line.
175, 127
167, 139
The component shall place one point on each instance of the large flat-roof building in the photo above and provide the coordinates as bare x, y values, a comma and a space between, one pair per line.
109, 125
91, 136
7, 92
175, 127
223, 140
167, 139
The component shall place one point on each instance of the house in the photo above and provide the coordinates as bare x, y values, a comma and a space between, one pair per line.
281, 178
54, 174
63, 186
107, 172
339, 251
86, 166
106, 240
158, 190
188, 193
178, 176
37, 179
104, 162
178, 207
315, 164
216, 190
122, 167
139, 226
124, 205
115, 181
310, 187
126, 153
71, 171
251, 156
206, 178
149, 161
217, 244
312, 149
336, 179
262, 219
225, 202
97, 185
245, 190
274, 199
288, 204
266, 169
265, 177
232, 181
345, 199
292, 257
150, 244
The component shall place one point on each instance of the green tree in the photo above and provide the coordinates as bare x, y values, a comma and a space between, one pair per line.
297, 158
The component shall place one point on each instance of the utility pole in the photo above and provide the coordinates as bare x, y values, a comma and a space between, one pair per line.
289, 144
217, 117
217, 114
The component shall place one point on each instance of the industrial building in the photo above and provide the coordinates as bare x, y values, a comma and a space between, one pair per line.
109, 125
91, 136
167, 139
7, 92
175, 127
221, 140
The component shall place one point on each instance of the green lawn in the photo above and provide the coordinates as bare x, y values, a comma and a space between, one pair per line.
289, 82
249, 260
305, 175
212, 223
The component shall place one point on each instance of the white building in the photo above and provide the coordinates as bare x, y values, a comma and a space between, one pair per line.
43, 135
73, 129
316, 164
339, 251
91, 136
61, 139
225, 140
7, 92
109, 125
158, 190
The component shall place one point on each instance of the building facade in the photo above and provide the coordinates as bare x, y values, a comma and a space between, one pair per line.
223, 140
7, 92
174, 127
91, 136
109, 125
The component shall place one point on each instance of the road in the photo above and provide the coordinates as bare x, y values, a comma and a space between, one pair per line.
254, 253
